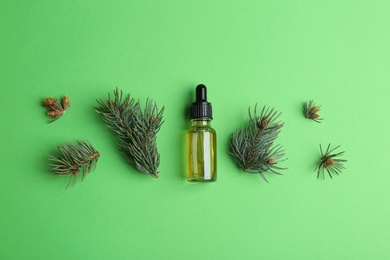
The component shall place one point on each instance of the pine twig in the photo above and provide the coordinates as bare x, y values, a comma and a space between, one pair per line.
330, 162
310, 111
253, 147
136, 129
75, 158
55, 107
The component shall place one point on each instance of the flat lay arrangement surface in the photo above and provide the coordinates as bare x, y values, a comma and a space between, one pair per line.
324, 65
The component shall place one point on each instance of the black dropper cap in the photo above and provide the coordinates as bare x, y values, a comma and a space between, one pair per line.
201, 108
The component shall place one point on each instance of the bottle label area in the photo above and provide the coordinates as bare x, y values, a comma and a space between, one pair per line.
201, 156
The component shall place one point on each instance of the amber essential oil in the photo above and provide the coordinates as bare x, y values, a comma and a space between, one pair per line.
201, 141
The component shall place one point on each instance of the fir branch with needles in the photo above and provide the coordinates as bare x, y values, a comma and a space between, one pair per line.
253, 147
75, 158
136, 129
330, 162
310, 110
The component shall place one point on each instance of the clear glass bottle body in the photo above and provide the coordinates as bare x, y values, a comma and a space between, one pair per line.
201, 151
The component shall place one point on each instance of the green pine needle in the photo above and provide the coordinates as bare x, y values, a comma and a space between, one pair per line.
73, 159
253, 147
136, 129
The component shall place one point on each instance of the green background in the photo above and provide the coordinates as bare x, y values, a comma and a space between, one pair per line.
276, 53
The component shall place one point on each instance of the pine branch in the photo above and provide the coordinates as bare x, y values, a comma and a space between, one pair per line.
253, 148
73, 159
136, 129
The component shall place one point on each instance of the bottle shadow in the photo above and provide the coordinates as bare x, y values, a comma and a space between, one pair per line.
186, 110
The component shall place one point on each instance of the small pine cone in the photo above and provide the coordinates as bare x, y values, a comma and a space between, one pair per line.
49, 101
55, 113
65, 102
51, 113
270, 160
314, 109
329, 162
315, 116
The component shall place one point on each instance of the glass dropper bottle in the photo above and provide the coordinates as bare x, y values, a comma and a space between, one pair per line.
201, 141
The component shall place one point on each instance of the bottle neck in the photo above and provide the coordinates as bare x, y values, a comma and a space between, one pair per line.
201, 121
